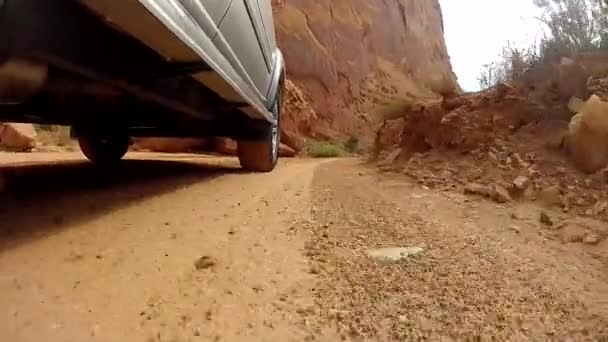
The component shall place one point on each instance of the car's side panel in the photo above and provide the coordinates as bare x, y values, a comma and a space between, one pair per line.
213, 9
253, 8
226, 81
265, 8
239, 40
278, 64
179, 34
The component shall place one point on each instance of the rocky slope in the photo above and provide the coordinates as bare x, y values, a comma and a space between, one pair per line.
349, 59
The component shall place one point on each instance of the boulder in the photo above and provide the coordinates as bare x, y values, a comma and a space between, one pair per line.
18, 137
587, 138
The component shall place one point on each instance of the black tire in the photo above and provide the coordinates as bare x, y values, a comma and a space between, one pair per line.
103, 148
262, 155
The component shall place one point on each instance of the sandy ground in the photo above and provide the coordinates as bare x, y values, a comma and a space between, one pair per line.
109, 255
189, 248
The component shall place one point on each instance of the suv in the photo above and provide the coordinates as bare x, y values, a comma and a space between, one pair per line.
116, 69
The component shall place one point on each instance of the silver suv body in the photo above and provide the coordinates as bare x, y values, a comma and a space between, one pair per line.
173, 68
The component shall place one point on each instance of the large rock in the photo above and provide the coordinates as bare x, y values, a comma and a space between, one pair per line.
19, 137
350, 58
587, 139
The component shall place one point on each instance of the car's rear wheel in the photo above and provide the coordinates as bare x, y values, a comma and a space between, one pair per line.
103, 147
262, 155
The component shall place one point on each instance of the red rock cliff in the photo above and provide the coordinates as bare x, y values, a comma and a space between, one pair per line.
347, 59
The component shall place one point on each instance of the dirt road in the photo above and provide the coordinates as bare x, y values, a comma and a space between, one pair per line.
187, 248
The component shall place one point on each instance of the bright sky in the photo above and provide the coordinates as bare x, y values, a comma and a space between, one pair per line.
476, 31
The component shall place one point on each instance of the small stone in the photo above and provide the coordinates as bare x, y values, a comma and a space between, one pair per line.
499, 194
204, 262
305, 309
515, 228
551, 196
532, 172
591, 239
599, 208
477, 189
573, 232
315, 269
545, 218
394, 253
521, 183
517, 162
566, 203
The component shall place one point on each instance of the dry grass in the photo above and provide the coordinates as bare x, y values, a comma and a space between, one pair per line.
53, 135
325, 149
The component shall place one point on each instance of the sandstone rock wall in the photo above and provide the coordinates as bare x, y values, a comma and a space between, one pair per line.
350, 58
17, 136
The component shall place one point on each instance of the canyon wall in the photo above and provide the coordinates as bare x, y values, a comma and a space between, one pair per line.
349, 60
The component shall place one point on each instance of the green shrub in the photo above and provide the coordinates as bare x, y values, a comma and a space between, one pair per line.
325, 149
352, 144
